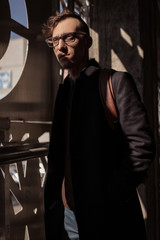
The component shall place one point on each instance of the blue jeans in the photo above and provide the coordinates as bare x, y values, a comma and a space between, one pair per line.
70, 224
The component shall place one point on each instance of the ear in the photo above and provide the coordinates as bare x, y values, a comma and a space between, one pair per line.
89, 42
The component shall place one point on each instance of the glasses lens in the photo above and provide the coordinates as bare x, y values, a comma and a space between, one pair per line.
70, 37
55, 42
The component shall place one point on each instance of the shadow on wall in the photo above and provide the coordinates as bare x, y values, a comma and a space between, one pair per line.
117, 26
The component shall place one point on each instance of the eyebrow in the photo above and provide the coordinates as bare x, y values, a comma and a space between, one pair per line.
61, 34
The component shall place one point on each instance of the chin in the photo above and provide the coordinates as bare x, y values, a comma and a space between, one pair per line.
65, 64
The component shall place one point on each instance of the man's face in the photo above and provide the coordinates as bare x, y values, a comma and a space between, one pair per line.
71, 55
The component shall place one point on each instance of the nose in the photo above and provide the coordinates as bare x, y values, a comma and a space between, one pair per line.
61, 44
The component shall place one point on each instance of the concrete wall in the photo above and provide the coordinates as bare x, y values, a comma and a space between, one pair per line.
116, 27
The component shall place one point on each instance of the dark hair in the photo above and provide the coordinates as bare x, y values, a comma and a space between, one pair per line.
52, 22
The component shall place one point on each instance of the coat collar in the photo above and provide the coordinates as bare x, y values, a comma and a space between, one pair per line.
91, 67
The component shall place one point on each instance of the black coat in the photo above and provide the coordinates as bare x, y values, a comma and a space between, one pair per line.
106, 166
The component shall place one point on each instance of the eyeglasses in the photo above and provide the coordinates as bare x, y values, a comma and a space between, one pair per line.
67, 38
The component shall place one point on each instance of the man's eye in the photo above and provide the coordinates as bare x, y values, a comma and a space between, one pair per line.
55, 40
69, 37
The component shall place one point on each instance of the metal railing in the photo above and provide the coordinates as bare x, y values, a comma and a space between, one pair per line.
21, 190
15, 152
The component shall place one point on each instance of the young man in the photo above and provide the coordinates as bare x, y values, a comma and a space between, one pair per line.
93, 171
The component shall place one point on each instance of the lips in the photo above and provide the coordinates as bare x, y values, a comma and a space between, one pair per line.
60, 56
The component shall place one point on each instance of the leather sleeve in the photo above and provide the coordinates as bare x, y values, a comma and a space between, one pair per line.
137, 134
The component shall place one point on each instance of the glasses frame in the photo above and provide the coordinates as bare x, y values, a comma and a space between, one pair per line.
63, 38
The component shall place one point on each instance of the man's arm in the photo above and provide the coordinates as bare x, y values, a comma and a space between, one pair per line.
137, 133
